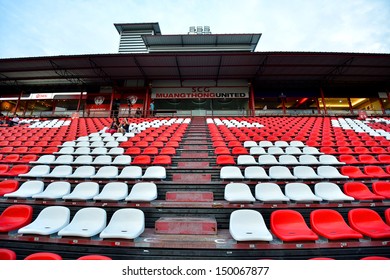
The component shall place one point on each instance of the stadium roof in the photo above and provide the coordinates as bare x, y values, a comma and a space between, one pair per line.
120, 27
221, 42
259, 68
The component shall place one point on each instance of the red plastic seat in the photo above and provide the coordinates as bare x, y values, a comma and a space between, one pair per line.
368, 159
28, 158
330, 224
4, 168
20, 150
368, 222
35, 150
381, 188
219, 144
378, 150
328, 150
8, 186
50, 150
17, 170
158, 144
384, 159
360, 191
322, 259
43, 256
141, 159
361, 150
348, 159
15, 217
133, 151
239, 151
11, 158
345, 150
374, 258
150, 151
168, 151
376, 172
225, 160
234, 143
289, 225
7, 254
162, 160
7, 150
29, 143
172, 143
353, 172
15, 143
94, 257
222, 151
126, 144
387, 216
142, 144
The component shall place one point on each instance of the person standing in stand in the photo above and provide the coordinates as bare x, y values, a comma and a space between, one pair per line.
152, 108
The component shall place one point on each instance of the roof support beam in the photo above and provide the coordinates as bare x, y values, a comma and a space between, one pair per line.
178, 70
64, 73
9, 82
338, 71
139, 67
99, 71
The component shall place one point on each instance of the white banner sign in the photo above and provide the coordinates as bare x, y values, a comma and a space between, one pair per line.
200, 92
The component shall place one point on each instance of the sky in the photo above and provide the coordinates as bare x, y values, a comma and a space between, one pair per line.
30, 28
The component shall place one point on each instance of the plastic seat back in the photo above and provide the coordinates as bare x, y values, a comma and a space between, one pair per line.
15, 216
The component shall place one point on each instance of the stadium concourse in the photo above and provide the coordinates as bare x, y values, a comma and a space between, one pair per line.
196, 188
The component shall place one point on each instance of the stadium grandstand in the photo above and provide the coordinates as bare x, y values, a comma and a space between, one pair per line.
227, 153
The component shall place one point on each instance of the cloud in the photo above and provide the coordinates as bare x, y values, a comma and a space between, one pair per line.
64, 27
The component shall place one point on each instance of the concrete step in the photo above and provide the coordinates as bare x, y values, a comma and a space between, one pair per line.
189, 196
186, 225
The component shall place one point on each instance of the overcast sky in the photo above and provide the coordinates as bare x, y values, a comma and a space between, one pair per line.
67, 27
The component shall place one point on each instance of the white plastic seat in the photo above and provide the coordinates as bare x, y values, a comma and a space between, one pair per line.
296, 143
331, 192
84, 172
44, 159
293, 151
267, 160
143, 191
300, 192
288, 160
330, 172
275, 151
238, 192
99, 151
125, 224
305, 172
111, 144
248, 225
230, 172
49, 221
246, 160
280, 172
114, 191
82, 139
83, 160
269, 192
308, 160
106, 172
155, 172
102, 160
63, 159
60, 171
96, 144
27, 189
257, 151
37, 171
82, 151
249, 144
330, 160
130, 172
109, 138
255, 173
265, 144
281, 143
82, 144
116, 151
68, 144
311, 151
65, 151
122, 160
122, 138
54, 190
87, 222
83, 191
